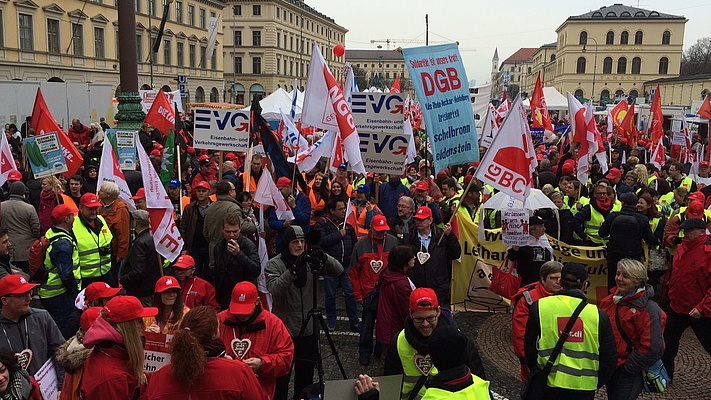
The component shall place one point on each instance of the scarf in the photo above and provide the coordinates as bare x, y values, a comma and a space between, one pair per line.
605, 205
19, 387
618, 297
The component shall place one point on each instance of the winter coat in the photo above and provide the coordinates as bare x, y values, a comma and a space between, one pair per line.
43, 338
198, 292
390, 194
267, 338
397, 228
141, 270
213, 221
521, 307
626, 229
688, 281
393, 363
118, 219
332, 242
436, 273
71, 356
232, 269
110, 377
643, 322
363, 273
566, 226
289, 303
393, 304
302, 217
189, 225
23, 225
223, 379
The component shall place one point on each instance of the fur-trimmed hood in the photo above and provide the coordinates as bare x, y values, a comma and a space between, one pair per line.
72, 354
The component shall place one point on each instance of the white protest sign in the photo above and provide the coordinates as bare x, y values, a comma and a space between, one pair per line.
47, 379
383, 153
155, 354
377, 112
514, 227
221, 129
147, 97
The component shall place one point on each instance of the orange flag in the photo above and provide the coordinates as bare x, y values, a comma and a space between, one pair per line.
656, 126
161, 115
539, 109
629, 128
705, 110
43, 122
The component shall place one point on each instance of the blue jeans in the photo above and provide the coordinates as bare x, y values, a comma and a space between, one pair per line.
62, 310
330, 284
365, 343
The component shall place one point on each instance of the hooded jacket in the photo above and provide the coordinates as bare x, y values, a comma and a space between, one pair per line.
336, 245
267, 338
393, 304
71, 356
643, 322
41, 335
110, 378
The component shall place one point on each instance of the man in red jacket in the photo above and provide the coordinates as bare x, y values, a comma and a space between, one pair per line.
196, 291
689, 291
256, 336
79, 134
547, 285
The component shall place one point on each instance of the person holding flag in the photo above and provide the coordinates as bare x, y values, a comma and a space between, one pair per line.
299, 204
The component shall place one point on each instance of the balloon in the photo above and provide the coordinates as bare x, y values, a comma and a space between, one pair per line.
339, 50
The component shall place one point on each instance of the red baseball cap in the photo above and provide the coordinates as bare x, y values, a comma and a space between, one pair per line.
140, 194
16, 175
379, 223
158, 147
202, 185
15, 284
230, 156
423, 212
244, 295
126, 308
697, 196
701, 164
88, 317
203, 158
156, 152
90, 200
613, 173
422, 185
569, 167
61, 211
185, 261
422, 295
190, 150
695, 210
99, 290
283, 182
166, 283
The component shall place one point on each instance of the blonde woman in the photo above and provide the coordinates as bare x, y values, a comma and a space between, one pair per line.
116, 361
642, 176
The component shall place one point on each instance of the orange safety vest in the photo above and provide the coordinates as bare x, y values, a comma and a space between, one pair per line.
316, 205
361, 229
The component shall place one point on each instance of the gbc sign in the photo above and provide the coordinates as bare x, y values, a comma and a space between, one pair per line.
221, 129
378, 112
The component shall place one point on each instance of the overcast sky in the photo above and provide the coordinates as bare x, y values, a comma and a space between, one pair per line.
481, 26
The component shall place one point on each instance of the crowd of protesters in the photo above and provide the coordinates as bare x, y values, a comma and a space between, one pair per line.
386, 240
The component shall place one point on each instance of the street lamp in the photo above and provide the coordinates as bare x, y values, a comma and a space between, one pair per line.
592, 96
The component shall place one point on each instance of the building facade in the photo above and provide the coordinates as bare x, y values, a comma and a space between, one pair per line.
542, 62
268, 45
611, 52
513, 70
77, 41
682, 91
379, 68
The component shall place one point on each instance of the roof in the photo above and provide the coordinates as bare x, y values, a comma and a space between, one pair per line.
621, 11
352, 55
522, 54
300, 4
700, 77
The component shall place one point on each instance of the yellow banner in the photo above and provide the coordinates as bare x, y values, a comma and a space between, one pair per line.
471, 275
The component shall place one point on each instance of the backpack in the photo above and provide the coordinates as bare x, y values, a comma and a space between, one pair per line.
38, 251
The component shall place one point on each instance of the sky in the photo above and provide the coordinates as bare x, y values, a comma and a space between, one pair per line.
482, 26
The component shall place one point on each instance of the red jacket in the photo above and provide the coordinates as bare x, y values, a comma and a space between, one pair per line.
109, 377
690, 283
362, 272
520, 313
199, 292
80, 136
223, 379
643, 322
268, 340
393, 304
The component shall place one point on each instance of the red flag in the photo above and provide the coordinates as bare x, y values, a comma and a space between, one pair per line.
658, 158
161, 115
337, 153
43, 122
539, 109
628, 128
705, 110
656, 129
396, 85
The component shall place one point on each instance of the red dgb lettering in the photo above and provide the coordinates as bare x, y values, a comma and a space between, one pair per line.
442, 81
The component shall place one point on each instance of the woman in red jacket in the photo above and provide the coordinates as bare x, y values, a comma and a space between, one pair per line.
394, 297
197, 369
116, 361
638, 325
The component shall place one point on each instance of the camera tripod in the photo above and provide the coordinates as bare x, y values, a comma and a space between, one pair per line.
315, 316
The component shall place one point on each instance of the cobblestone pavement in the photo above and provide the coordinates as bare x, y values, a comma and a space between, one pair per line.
492, 333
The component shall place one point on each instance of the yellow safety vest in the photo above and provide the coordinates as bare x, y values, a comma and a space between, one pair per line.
685, 182
578, 363
92, 263
54, 286
592, 227
412, 374
682, 218
478, 390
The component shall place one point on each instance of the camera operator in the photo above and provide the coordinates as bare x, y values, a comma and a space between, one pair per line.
290, 281
141, 270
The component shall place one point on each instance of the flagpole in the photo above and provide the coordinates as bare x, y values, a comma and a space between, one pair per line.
219, 177
248, 167
180, 172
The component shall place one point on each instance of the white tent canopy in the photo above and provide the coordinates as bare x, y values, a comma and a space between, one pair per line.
554, 100
280, 100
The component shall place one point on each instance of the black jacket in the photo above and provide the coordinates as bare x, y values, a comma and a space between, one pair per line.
397, 225
566, 226
232, 269
607, 351
142, 268
393, 364
626, 229
333, 243
529, 260
436, 273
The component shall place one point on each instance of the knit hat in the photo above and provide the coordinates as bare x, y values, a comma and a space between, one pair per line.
628, 199
447, 347
283, 182
18, 188
292, 233
575, 270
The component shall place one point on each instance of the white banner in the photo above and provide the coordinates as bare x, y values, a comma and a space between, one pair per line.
221, 129
147, 97
377, 112
111, 172
211, 38
384, 153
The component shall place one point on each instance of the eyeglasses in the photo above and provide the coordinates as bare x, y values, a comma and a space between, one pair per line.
419, 320
554, 278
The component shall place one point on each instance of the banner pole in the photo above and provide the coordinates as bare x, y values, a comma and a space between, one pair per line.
219, 177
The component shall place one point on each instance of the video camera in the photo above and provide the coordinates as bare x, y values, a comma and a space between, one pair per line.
314, 257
